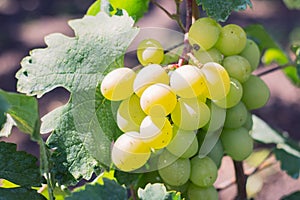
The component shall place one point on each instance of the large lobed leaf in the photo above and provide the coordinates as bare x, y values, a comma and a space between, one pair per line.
221, 9
20, 193
83, 129
157, 191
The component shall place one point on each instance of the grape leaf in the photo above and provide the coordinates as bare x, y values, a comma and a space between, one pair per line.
18, 167
221, 9
3, 109
293, 196
20, 193
22, 111
157, 191
135, 8
292, 4
86, 127
289, 163
109, 190
126, 178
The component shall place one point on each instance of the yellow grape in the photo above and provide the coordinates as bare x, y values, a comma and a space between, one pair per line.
187, 81
190, 114
149, 75
156, 132
158, 100
118, 84
217, 81
129, 152
130, 114
150, 51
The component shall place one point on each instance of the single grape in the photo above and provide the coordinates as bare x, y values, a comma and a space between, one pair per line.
234, 95
252, 53
202, 193
217, 117
156, 132
204, 32
237, 67
204, 171
129, 153
130, 114
217, 81
249, 121
232, 40
216, 154
211, 55
184, 143
150, 51
187, 81
190, 114
236, 116
118, 84
176, 173
158, 100
237, 143
149, 75
255, 93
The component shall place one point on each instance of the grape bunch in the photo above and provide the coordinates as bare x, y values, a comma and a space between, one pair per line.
166, 113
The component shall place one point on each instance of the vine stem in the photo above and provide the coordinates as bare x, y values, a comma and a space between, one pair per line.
270, 70
241, 179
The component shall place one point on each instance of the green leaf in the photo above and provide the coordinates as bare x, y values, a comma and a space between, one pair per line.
126, 178
20, 193
94, 9
293, 196
110, 190
22, 111
273, 55
3, 109
289, 163
292, 4
18, 167
157, 191
221, 9
85, 127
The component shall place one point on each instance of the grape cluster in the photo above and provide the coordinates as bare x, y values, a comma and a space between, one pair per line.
168, 112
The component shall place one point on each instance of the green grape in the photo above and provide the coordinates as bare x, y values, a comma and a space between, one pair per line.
236, 116
237, 143
118, 84
232, 40
251, 53
217, 117
149, 75
156, 132
237, 67
234, 95
202, 193
129, 152
211, 55
190, 114
158, 100
175, 173
204, 32
130, 114
255, 93
216, 154
204, 171
184, 143
150, 51
217, 81
182, 188
249, 122
187, 81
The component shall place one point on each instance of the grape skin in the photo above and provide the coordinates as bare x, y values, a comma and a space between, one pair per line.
129, 152
150, 51
118, 84
211, 55
202, 193
236, 116
252, 53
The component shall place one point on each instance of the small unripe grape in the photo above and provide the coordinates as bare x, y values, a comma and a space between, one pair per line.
187, 81
158, 100
236, 116
149, 75
255, 93
198, 193
204, 32
252, 53
232, 40
118, 84
211, 55
237, 67
237, 143
129, 153
156, 132
150, 51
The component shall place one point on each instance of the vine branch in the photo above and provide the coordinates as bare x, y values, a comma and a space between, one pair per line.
241, 179
279, 67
